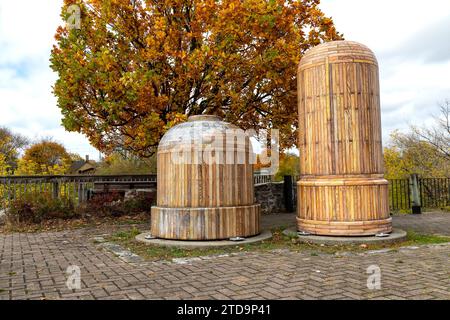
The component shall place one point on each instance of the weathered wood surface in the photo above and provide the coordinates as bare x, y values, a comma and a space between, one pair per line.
205, 223
204, 200
341, 190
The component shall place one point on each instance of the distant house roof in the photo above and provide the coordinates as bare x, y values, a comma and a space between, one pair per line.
82, 166
76, 165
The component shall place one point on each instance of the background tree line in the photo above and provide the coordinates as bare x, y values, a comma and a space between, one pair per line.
421, 150
20, 156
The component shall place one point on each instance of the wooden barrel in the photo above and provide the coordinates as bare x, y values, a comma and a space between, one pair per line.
205, 182
341, 190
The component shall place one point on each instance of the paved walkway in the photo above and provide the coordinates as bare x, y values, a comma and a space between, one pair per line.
430, 222
33, 266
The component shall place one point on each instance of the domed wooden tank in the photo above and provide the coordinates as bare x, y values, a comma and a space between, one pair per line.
341, 190
205, 182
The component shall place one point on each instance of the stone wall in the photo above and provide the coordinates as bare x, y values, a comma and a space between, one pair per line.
271, 197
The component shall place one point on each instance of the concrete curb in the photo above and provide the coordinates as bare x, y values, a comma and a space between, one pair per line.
264, 235
397, 235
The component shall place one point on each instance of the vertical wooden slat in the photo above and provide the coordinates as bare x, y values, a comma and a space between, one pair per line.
196, 191
340, 143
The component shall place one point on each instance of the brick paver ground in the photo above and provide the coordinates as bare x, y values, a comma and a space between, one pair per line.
33, 266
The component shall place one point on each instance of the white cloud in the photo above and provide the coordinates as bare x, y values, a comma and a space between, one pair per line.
384, 24
410, 39
27, 28
27, 104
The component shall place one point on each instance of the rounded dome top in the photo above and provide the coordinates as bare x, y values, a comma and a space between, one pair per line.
200, 130
338, 51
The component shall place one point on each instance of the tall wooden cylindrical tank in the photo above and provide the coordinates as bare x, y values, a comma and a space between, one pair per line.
341, 190
205, 182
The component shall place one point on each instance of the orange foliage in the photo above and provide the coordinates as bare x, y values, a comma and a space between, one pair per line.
135, 68
45, 157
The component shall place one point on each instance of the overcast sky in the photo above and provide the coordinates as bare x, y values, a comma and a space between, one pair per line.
411, 39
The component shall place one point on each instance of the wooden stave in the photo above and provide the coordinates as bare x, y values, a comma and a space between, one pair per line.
205, 185
347, 175
350, 203
345, 228
326, 149
205, 223
189, 188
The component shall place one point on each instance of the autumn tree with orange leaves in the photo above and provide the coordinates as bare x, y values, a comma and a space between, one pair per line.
135, 68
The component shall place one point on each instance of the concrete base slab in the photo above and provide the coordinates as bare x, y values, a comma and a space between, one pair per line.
396, 235
264, 235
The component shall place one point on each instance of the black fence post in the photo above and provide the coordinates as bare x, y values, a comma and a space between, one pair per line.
415, 194
288, 194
